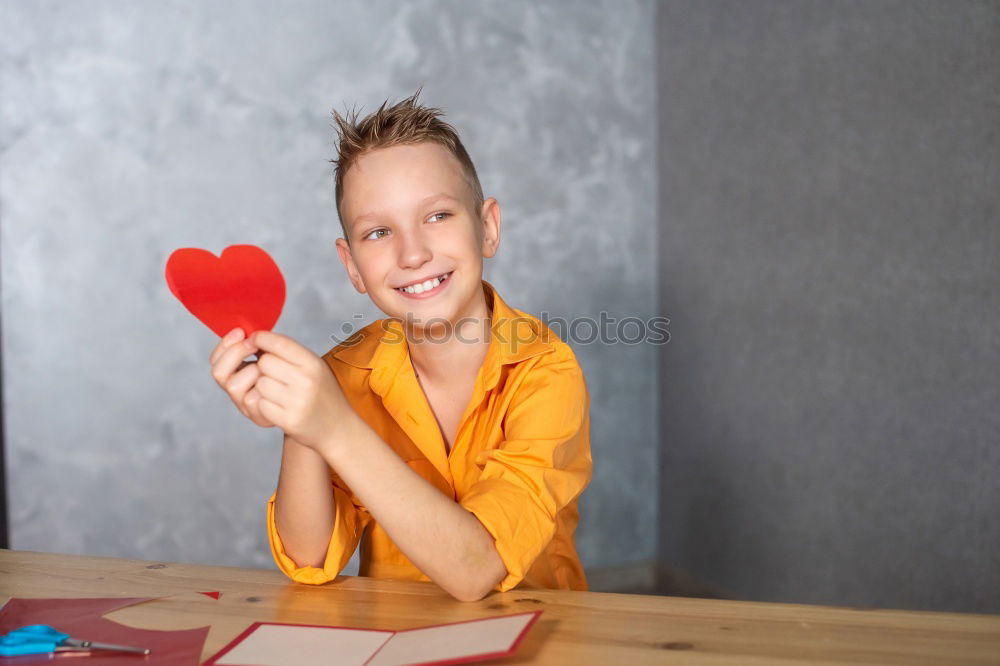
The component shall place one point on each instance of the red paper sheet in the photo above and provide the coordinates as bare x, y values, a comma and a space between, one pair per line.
81, 618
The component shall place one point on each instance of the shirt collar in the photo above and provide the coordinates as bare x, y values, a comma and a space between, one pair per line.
381, 346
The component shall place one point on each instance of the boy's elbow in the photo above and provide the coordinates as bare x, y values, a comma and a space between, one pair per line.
477, 583
466, 595
472, 590
481, 569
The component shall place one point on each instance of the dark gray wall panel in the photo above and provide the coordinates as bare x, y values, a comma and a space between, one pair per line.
828, 257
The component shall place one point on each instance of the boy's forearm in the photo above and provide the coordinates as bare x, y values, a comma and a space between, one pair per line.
444, 540
304, 509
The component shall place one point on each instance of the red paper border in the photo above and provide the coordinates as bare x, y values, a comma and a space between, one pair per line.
212, 661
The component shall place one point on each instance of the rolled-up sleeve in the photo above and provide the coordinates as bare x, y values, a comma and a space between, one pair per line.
349, 524
542, 465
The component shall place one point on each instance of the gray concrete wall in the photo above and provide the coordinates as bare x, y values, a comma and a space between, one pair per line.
829, 259
130, 129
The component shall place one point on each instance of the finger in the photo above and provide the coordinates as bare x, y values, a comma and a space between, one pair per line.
242, 381
230, 361
251, 398
251, 408
219, 358
275, 367
261, 421
282, 346
272, 390
228, 339
270, 411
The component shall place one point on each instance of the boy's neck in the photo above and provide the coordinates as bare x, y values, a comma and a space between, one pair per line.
438, 361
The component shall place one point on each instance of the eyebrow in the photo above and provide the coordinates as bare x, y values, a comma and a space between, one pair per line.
358, 220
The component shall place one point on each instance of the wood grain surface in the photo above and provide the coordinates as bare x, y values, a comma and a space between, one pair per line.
576, 627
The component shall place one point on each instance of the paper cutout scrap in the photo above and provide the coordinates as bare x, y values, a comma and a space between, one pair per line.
241, 287
214, 595
279, 644
81, 618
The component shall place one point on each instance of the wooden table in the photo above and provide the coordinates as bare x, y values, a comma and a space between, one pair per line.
575, 628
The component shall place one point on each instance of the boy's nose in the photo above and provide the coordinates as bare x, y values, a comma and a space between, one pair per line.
413, 251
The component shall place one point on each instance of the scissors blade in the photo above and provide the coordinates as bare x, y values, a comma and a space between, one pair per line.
94, 645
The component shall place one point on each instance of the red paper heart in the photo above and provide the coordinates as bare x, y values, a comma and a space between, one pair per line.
241, 288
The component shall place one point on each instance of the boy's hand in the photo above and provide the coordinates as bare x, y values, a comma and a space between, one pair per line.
237, 377
296, 390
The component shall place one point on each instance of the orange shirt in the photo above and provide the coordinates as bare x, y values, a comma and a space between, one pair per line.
520, 459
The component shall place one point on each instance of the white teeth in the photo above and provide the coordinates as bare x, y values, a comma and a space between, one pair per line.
427, 285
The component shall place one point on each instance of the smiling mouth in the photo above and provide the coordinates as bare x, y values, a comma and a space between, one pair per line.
426, 285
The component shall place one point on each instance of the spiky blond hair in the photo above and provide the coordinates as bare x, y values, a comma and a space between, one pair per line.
405, 122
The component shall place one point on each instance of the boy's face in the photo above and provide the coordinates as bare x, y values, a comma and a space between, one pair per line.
411, 217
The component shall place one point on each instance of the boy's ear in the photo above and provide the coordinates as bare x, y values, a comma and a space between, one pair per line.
344, 250
490, 227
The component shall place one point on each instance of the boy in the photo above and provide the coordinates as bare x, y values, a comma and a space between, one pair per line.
452, 438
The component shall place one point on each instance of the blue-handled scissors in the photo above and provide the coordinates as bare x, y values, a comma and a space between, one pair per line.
42, 639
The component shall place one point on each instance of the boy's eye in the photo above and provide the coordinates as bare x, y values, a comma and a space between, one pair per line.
376, 231
380, 233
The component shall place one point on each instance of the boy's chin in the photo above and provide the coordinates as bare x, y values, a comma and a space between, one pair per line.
437, 328
434, 318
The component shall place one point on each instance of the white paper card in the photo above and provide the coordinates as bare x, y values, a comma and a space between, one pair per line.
275, 644
290, 645
452, 641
